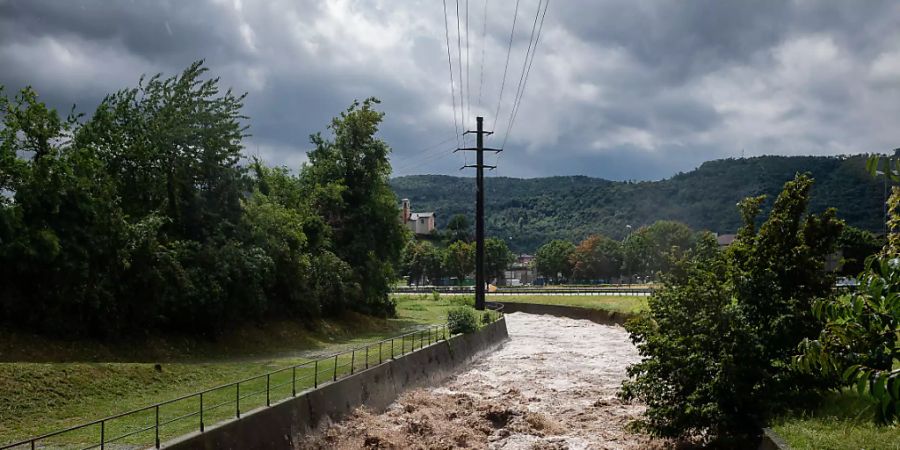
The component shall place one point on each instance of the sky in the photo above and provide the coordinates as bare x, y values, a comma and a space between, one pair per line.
623, 90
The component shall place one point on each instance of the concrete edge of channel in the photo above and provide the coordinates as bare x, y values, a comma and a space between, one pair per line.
770, 440
285, 424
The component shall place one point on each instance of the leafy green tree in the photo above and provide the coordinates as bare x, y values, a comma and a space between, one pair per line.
142, 217
497, 257
856, 245
347, 178
597, 257
637, 254
64, 239
860, 342
422, 259
173, 147
719, 336
553, 260
694, 342
458, 229
433, 258
459, 260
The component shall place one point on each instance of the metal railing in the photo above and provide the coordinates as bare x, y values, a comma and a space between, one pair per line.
151, 425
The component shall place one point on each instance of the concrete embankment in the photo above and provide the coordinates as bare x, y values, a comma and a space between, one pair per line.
282, 425
599, 316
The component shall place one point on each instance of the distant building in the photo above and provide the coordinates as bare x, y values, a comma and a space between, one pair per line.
418, 223
520, 272
725, 240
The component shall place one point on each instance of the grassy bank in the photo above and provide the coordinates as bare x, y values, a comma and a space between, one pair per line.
842, 422
98, 379
623, 304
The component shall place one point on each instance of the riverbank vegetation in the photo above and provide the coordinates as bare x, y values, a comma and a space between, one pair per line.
753, 335
147, 215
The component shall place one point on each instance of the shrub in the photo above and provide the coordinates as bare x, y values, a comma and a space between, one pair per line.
860, 343
436, 296
462, 320
718, 340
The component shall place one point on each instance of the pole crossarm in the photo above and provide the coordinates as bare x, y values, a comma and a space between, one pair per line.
475, 149
475, 166
482, 132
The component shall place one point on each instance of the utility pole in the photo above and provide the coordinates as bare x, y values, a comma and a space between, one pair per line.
479, 206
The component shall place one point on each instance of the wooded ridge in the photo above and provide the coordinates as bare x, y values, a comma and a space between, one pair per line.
529, 212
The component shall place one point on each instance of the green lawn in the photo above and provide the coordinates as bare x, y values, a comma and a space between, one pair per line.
843, 421
39, 397
624, 303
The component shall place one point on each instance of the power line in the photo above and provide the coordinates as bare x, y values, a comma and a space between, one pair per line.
483, 45
462, 109
524, 61
425, 162
468, 84
524, 82
506, 67
425, 154
450, 62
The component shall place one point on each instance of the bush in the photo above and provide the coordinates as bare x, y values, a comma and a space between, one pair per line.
720, 334
462, 320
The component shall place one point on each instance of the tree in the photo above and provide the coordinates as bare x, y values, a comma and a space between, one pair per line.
347, 178
459, 229
860, 342
142, 218
422, 259
553, 260
637, 254
64, 239
596, 257
497, 258
433, 258
173, 147
719, 336
856, 245
459, 260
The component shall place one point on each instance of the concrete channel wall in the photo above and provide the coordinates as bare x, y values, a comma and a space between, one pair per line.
282, 425
572, 312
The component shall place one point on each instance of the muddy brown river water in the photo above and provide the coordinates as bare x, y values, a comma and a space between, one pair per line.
551, 386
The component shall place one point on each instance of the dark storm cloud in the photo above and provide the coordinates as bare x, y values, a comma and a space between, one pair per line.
619, 89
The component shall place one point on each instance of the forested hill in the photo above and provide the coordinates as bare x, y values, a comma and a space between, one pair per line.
529, 212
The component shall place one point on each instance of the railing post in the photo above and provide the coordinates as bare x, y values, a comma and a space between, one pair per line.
352, 360
294, 381
392, 348
268, 383
316, 374
201, 412
157, 426
237, 400
367, 357
102, 434
379, 351
335, 368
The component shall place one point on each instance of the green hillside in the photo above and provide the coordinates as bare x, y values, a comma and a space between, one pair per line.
529, 212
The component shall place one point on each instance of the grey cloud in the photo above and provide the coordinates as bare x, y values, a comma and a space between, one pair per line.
619, 89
